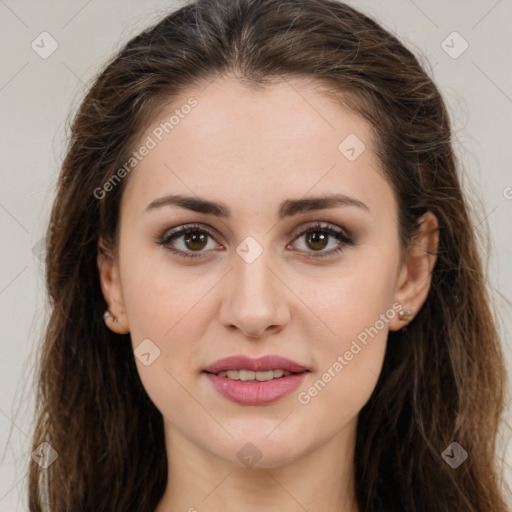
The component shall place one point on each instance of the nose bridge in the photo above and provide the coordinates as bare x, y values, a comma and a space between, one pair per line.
254, 279
255, 299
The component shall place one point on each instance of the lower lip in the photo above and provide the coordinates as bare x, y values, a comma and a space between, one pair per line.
256, 393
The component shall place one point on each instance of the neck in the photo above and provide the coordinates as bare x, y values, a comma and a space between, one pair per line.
321, 480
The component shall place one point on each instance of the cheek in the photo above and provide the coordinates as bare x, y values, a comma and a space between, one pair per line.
167, 307
170, 307
157, 294
352, 298
356, 307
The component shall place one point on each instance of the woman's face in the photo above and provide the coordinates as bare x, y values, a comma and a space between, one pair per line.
256, 287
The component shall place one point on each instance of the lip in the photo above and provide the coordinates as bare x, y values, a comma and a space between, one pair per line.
255, 393
261, 364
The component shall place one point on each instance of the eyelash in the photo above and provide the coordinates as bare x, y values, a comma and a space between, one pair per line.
168, 237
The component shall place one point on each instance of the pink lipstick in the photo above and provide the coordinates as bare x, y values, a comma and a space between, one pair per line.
259, 381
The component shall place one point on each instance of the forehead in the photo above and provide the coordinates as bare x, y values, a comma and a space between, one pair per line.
239, 143
286, 110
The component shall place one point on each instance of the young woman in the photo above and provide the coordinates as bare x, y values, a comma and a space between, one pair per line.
265, 288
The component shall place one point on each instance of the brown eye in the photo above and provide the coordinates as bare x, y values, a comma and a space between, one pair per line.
318, 237
195, 241
316, 240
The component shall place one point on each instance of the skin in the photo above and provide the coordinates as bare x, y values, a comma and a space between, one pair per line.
252, 150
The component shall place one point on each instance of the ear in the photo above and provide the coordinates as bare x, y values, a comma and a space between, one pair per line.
415, 275
111, 288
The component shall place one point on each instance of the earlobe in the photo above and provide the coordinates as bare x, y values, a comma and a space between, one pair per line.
415, 276
115, 316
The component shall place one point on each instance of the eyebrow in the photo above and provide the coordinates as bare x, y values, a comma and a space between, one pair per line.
288, 208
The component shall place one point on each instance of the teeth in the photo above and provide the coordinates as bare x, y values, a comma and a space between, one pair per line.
263, 376
247, 375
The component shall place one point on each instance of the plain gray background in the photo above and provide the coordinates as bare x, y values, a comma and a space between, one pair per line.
37, 97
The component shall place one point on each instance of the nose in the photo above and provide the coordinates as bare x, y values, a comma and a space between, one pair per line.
255, 298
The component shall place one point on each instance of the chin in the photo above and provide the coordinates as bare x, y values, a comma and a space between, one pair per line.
262, 448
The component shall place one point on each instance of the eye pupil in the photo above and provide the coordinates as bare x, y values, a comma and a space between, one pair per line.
195, 238
316, 238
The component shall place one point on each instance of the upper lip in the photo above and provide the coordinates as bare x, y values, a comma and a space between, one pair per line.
261, 364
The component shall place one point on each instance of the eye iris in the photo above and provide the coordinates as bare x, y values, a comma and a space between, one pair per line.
195, 238
315, 238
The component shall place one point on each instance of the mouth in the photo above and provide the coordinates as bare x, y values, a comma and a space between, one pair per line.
263, 364
261, 381
251, 376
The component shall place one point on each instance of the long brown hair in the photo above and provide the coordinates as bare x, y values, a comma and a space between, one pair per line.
443, 378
